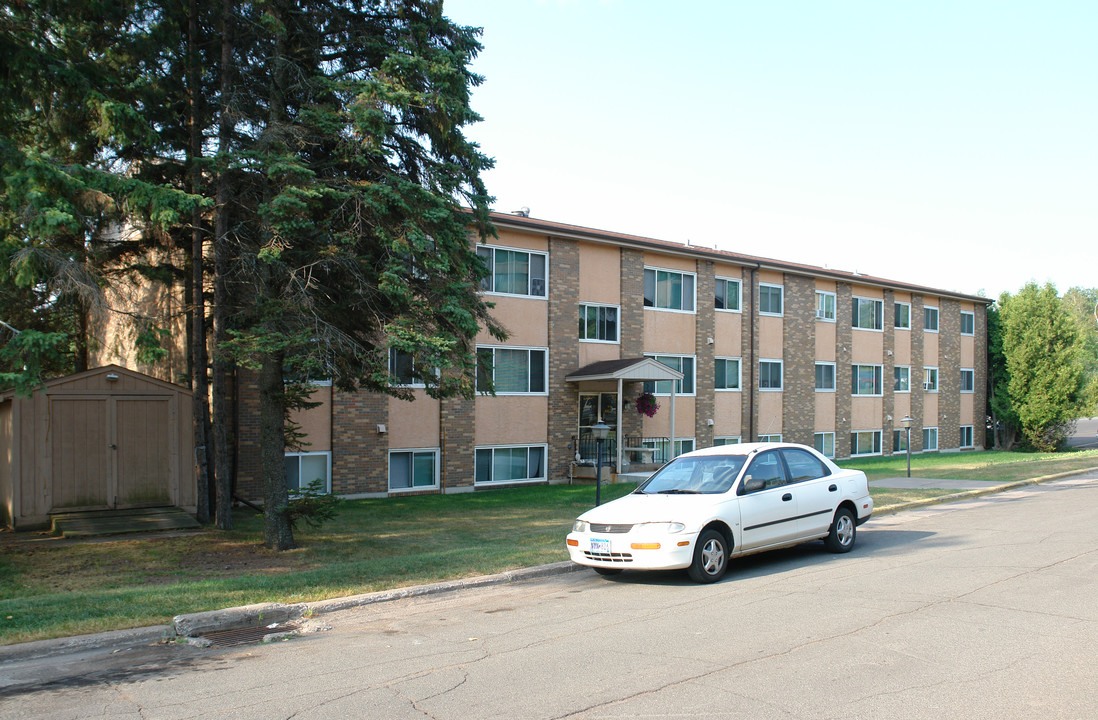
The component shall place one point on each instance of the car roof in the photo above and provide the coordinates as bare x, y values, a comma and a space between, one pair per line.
740, 449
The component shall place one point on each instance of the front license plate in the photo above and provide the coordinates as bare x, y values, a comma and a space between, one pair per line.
600, 546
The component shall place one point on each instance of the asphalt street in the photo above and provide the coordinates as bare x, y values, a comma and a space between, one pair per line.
976, 609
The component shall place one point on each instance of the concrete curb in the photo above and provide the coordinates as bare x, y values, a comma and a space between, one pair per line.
190, 625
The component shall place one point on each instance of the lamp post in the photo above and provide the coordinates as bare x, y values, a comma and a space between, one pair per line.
907, 421
599, 431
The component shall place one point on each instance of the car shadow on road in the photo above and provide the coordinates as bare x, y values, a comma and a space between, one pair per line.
773, 562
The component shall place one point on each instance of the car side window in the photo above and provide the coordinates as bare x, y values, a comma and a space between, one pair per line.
803, 465
767, 467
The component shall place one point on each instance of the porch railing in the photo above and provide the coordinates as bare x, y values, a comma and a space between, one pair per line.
637, 449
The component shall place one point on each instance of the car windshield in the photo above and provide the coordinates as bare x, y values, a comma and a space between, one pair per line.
713, 474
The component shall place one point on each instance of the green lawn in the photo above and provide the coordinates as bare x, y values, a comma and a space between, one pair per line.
48, 589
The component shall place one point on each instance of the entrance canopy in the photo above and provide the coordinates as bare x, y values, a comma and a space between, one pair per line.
640, 369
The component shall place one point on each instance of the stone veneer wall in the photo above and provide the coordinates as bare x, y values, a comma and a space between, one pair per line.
564, 274
889, 372
360, 454
979, 401
844, 356
632, 330
749, 364
949, 374
457, 439
704, 327
917, 392
799, 360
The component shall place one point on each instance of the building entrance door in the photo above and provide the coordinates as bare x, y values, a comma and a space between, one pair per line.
592, 408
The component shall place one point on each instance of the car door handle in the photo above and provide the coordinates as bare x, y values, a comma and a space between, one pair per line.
832, 488
787, 497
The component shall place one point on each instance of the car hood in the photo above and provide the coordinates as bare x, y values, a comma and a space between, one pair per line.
639, 508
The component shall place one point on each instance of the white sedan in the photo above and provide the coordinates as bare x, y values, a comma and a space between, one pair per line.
710, 505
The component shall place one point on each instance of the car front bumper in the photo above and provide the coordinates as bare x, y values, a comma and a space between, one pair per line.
632, 550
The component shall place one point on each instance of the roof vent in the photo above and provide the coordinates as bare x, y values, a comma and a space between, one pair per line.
521, 212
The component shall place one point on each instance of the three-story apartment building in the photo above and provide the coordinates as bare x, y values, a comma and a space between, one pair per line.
734, 348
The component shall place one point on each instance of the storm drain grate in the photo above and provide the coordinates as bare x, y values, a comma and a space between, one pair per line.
245, 636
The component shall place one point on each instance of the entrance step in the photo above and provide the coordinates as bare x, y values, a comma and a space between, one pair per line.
116, 522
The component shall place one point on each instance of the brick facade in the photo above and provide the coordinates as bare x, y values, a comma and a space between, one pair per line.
799, 360
564, 270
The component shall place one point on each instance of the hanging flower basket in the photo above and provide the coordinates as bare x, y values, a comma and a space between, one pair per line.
646, 404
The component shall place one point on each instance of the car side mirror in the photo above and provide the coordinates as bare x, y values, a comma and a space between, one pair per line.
751, 485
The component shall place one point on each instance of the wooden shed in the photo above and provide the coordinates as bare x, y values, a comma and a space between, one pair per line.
108, 438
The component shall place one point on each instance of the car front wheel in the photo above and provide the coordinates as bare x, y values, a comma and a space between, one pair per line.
843, 532
710, 557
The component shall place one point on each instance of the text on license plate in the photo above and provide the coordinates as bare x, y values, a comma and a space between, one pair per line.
600, 546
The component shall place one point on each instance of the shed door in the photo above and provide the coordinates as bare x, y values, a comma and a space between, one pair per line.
142, 429
80, 453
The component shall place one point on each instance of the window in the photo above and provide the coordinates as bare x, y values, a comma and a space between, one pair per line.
682, 363
930, 319
598, 323
513, 272
968, 380
825, 376
661, 447
770, 374
901, 316
770, 299
727, 440
413, 469
510, 464
303, 468
727, 294
899, 440
868, 314
825, 305
824, 442
930, 438
901, 375
867, 442
668, 290
774, 437
930, 379
968, 323
867, 379
768, 468
403, 369
726, 374
511, 371
966, 436
803, 465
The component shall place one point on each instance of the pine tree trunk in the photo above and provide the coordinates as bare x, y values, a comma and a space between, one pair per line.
277, 533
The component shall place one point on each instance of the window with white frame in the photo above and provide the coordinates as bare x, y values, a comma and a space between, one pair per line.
726, 373
508, 464
770, 374
513, 272
930, 318
669, 290
773, 437
825, 377
413, 469
966, 436
726, 295
867, 380
930, 379
770, 299
825, 306
901, 315
726, 440
824, 442
930, 438
968, 323
303, 468
899, 440
901, 379
682, 363
865, 442
868, 313
661, 447
511, 371
968, 380
403, 369
598, 323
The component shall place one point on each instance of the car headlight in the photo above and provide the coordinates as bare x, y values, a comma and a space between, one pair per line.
670, 527
581, 526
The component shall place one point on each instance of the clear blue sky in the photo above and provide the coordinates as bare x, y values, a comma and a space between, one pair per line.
949, 144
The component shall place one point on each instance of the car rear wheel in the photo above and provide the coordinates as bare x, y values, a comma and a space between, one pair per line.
710, 557
843, 531
607, 571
